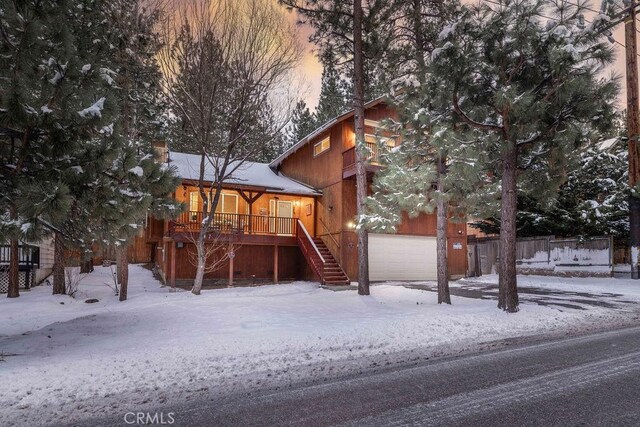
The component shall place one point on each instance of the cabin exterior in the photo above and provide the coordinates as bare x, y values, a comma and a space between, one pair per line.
294, 218
35, 263
264, 218
326, 160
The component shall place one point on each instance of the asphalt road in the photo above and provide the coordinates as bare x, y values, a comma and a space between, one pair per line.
589, 380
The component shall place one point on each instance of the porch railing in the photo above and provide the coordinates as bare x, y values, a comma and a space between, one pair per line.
28, 256
28, 262
229, 223
310, 251
349, 156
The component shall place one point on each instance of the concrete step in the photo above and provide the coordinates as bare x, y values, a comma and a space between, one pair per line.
336, 283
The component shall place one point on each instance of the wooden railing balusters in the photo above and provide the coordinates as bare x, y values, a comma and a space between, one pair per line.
236, 223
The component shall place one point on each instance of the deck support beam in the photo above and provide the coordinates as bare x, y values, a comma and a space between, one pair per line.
231, 257
173, 264
275, 264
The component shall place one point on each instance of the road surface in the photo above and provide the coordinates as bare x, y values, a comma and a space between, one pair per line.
589, 380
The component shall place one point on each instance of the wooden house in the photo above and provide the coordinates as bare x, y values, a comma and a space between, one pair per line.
325, 159
35, 263
294, 218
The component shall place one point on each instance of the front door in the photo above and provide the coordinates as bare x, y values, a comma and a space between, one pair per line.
280, 211
285, 211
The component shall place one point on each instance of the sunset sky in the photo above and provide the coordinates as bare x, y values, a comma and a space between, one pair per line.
311, 69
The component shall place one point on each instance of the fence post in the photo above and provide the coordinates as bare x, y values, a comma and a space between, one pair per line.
611, 253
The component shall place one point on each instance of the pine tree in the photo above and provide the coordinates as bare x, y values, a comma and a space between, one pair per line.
531, 86
422, 175
332, 100
333, 23
593, 202
51, 101
79, 177
302, 123
145, 185
430, 171
269, 142
359, 35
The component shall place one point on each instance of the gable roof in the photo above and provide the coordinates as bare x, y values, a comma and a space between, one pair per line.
304, 141
249, 174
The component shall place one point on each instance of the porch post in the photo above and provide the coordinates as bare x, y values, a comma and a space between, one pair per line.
251, 213
173, 264
231, 270
275, 264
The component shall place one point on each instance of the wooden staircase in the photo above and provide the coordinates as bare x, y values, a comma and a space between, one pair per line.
333, 274
320, 258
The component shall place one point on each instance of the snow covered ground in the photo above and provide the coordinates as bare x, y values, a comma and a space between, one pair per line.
596, 285
66, 360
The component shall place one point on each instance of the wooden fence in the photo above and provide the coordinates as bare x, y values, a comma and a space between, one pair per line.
546, 255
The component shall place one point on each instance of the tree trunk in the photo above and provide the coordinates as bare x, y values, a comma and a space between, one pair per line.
208, 211
59, 285
123, 269
86, 266
508, 292
361, 172
441, 239
197, 282
14, 270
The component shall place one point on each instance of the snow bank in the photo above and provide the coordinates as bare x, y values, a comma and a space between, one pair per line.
75, 360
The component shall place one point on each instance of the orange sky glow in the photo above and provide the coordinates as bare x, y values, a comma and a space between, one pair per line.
311, 70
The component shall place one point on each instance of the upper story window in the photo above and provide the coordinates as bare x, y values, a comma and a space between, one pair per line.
322, 146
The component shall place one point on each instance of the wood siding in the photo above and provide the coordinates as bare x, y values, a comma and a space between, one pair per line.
336, 208
140, 250
251, 261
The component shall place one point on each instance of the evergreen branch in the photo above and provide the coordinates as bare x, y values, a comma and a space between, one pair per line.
470, 121
311, 12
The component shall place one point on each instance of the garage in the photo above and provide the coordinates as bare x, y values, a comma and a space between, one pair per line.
398, 257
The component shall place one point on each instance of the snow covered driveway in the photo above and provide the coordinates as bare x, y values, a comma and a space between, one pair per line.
72, 361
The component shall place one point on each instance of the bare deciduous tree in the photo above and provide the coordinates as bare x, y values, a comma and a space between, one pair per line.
217, 252
222, 65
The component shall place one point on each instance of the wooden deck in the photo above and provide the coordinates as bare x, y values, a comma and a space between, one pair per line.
237, 228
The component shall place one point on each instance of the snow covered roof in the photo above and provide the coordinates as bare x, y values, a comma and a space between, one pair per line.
295, 147
607, 144
249, 174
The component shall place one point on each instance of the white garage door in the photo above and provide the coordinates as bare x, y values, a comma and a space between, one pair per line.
393, 257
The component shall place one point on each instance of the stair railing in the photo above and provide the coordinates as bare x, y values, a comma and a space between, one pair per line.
310, 251
335, 242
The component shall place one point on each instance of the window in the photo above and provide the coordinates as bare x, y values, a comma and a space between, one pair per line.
322, 146
193, 201
228, 203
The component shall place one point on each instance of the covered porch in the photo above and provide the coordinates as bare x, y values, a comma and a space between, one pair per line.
243, 213
260, 227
